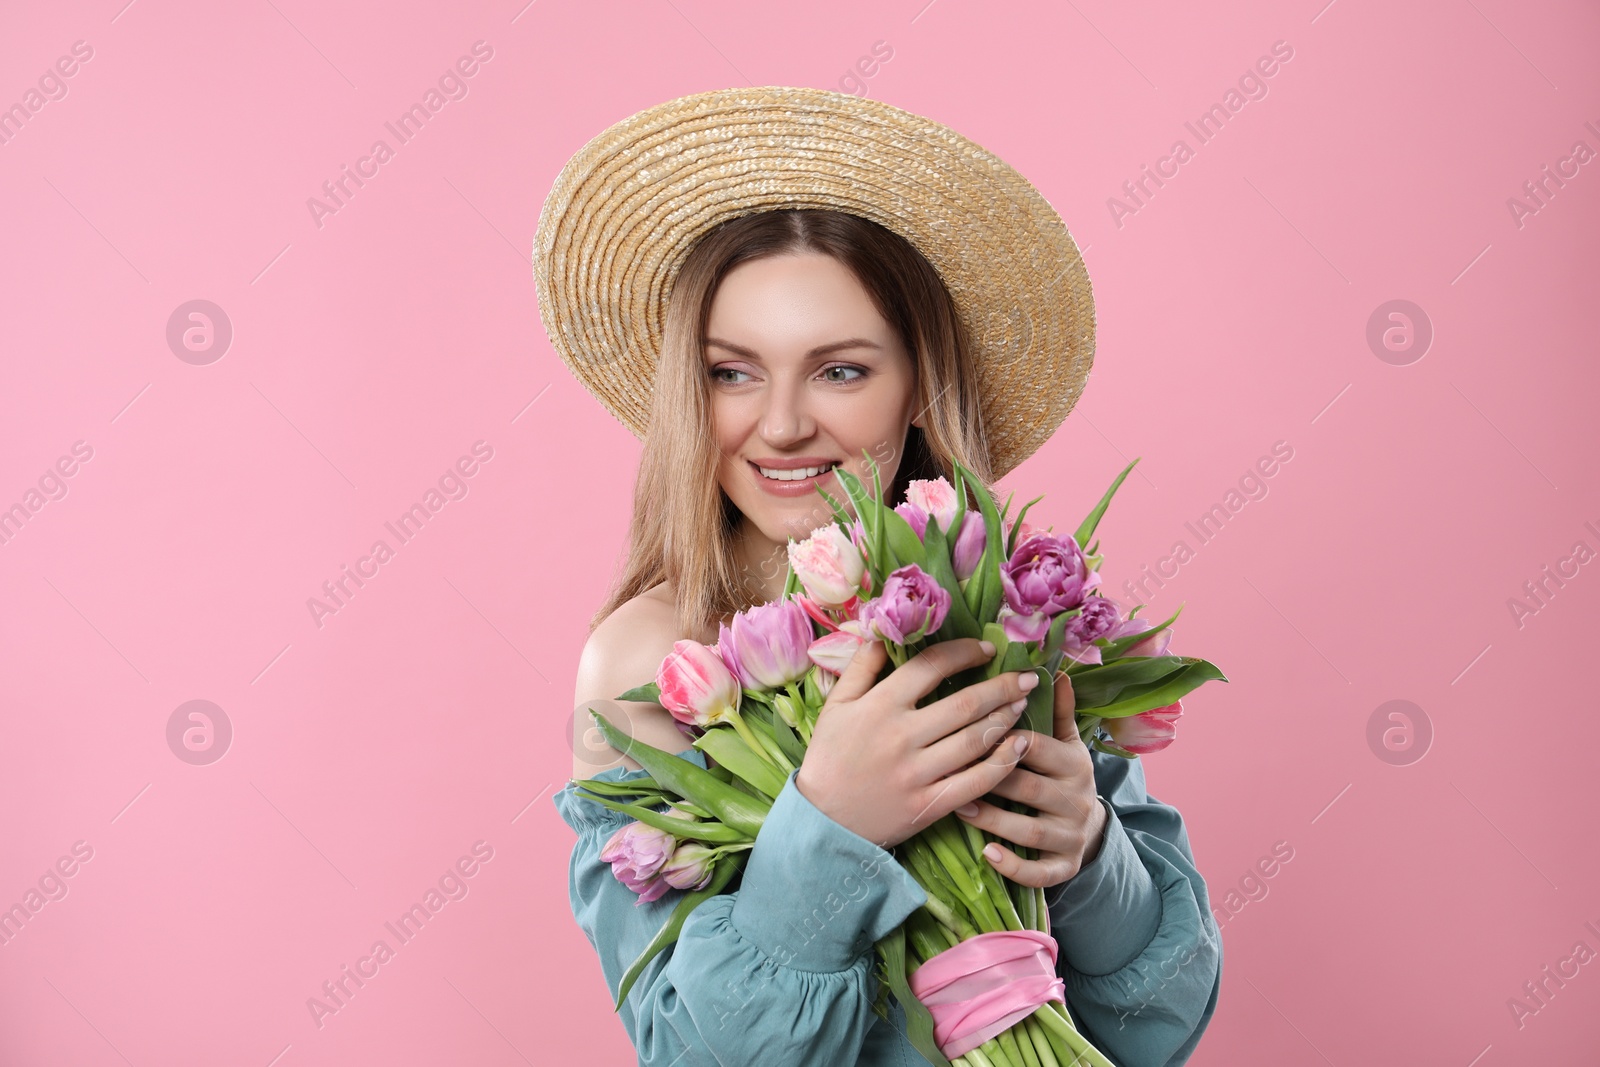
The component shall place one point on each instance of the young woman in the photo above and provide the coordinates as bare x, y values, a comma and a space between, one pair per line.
794, 340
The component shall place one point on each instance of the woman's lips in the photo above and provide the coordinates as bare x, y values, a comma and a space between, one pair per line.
799, 487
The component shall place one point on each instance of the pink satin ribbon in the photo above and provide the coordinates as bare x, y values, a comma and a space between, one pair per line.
985, 984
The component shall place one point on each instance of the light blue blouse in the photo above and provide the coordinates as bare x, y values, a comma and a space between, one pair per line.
756, 978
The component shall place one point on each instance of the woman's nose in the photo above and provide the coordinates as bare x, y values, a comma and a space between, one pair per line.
786, 420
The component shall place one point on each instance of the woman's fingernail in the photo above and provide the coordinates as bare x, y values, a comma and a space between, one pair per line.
968, 809
1019, 704
1027, 681
987, 646
992, 851
1020, 744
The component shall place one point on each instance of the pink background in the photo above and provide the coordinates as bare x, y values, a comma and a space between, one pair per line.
429, 713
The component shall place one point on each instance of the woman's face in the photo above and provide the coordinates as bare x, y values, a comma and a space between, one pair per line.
804, 373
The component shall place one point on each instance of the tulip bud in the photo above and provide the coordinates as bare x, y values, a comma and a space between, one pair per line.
1149, 731
689, 866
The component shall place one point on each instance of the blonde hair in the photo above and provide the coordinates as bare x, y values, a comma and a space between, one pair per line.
683, 523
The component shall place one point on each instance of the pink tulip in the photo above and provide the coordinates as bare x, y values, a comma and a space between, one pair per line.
829, 565
637, 853
833, 652
1150, 646
1149, 731
766, 646
696, 686
936, 497
689, 867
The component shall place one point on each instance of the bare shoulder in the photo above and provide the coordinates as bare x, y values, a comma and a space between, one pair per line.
624, 651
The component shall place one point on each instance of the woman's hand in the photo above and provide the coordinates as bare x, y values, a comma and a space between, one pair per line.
1056, 778
885, 768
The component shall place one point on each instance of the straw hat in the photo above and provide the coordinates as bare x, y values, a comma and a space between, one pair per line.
627, 209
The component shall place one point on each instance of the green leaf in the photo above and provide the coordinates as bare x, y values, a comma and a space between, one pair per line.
958, 621
1016, 527
1058, 634
650, 692
789, 742
919, 1021
995, 634
875, 526
721, 874
865, 509
840, 515
714, 832
634, 787
1141, 698
725, 746
903, 541
730, 805
1086, 529
1096, 685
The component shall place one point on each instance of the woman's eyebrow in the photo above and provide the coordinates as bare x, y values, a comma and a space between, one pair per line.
820, 350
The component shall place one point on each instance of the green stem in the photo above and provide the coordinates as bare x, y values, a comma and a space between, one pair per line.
1043, 1046
1008, 1042
930, 873
759, 746
960, 873
1077, 1046
993, 882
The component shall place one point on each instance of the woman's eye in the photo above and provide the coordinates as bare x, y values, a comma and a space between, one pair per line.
857, 371
717, 372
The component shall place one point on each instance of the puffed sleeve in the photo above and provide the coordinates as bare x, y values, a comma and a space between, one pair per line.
1140, 953
778, 970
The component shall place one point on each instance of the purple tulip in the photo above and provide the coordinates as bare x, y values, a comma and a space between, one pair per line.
915, 517
636, 853
1045, 576
767, 646
912, 605
1100, 617
970, 543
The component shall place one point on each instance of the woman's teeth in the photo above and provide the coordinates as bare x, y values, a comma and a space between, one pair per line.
794, 475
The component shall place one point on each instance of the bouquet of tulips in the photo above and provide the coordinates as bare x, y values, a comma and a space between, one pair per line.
973, 969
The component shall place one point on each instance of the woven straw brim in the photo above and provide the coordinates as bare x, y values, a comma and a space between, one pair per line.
627, 209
